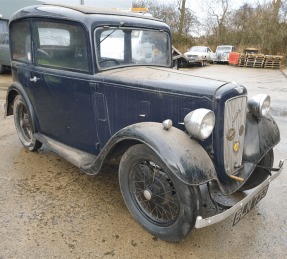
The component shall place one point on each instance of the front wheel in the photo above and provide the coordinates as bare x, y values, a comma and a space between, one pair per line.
157, 199
23, 124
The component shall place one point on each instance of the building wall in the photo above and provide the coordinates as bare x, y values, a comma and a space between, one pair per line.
3, 25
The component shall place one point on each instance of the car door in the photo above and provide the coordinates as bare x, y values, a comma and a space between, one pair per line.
55, 74
61, 84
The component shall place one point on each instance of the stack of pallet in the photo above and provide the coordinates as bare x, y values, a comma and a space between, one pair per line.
273, 61
250, 60
241, 60
254, 60
259, 61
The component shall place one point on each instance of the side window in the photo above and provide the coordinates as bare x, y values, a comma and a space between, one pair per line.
61, 45
21, 41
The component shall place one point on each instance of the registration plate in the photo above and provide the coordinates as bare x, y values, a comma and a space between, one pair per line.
249, 205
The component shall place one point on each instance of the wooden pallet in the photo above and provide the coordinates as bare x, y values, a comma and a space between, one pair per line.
273, 62
254, 60
259, 61
241, 60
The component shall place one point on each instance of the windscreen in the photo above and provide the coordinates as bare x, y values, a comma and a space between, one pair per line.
116, 47
198, 49
223, 49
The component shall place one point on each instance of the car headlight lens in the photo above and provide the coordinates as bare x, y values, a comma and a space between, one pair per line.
200, 123
259, 105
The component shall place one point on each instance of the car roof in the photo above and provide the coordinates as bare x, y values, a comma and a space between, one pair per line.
200, 46
95, 10
63, 10
91, 17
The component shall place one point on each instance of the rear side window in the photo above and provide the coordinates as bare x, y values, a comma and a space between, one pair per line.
61, 45
21, 41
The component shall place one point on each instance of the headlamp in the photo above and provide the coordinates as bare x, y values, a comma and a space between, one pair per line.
200, 123
259, 105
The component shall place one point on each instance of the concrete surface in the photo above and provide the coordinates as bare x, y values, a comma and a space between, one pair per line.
49, 209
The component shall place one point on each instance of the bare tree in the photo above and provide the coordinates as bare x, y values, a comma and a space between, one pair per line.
261, 25
182, 15
180, 19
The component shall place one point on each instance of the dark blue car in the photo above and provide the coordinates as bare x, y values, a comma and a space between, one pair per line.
98, 86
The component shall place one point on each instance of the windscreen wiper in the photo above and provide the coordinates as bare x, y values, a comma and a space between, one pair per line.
120, 25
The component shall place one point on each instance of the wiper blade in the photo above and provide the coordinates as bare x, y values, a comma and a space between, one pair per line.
120, 25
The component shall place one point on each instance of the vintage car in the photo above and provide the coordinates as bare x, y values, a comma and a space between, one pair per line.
4, 52
200, 55
250, 51
93, 102
222, 53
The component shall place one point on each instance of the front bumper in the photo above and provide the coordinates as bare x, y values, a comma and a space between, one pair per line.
248, 202
191, 60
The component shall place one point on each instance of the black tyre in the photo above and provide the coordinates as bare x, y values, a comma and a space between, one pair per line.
23, 124
157, 199
2, 69
175, 64
259, 174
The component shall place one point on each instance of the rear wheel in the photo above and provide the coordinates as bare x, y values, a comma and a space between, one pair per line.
2, 69
259, 174
23, 124
175, 64
157, 199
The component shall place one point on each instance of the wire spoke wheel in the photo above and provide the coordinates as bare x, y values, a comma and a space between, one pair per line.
23, 124
157, 199
154, 193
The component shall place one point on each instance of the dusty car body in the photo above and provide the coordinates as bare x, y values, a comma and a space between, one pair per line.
200, 55
222, 53
172, 132
4, 52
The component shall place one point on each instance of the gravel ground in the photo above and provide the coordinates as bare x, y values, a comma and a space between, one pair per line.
49, 209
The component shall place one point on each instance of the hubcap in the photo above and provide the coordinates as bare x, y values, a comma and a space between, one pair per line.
147, 194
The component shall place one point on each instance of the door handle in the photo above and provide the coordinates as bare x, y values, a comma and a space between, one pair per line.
34, 79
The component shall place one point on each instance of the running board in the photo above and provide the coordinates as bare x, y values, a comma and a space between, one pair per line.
75, 156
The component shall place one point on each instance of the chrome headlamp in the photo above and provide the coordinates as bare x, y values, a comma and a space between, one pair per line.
259, 105
200, 123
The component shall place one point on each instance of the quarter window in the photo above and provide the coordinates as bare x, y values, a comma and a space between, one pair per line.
21, 41
61, 45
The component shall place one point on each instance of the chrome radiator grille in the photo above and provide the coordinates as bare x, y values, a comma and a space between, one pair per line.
234, 132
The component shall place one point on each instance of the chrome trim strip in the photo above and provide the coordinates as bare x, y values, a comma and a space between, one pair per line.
200, 222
